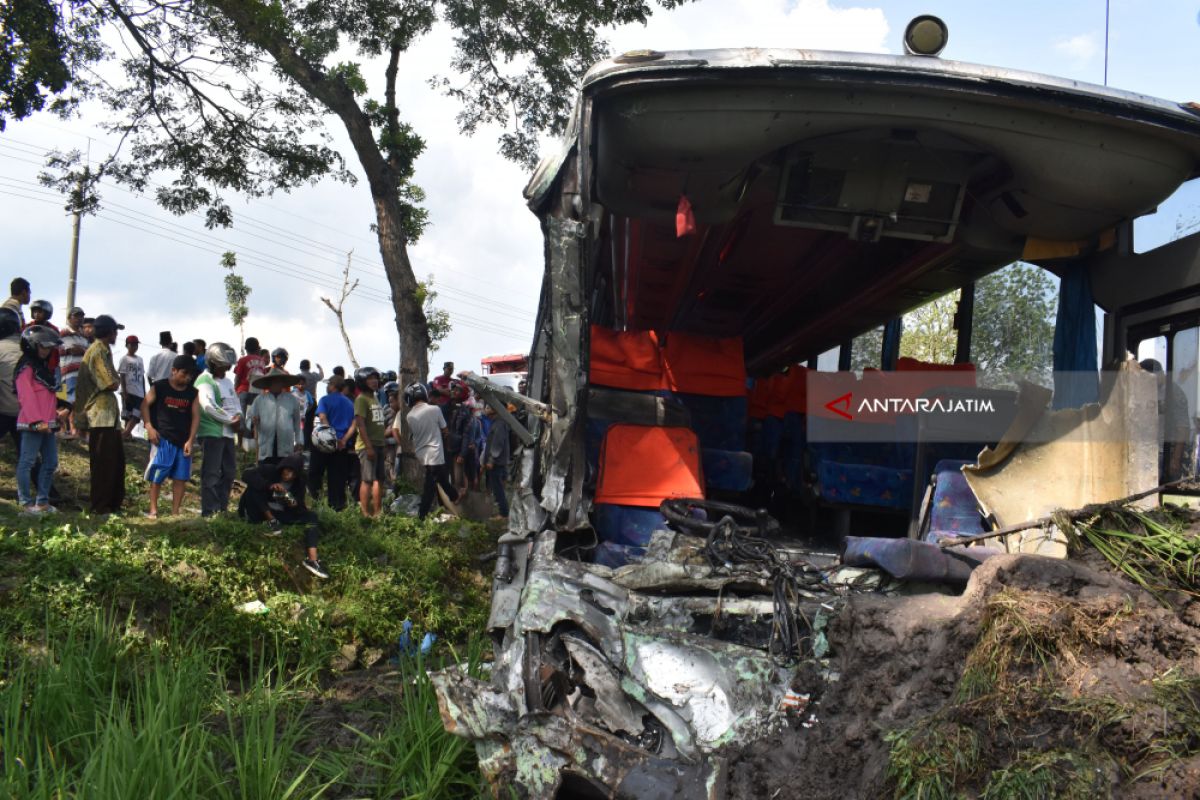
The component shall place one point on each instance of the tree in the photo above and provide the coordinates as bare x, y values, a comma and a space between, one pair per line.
1012, 334
347, 289
236, 294
929, 333
867, 350
230, 95
1013, 330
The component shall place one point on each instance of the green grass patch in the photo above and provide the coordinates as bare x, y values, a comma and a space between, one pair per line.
100, 714
1157, 552
930, 760
1036, 775
127, 669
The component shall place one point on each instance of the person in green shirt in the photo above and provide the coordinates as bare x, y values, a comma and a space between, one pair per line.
96, 412
368, 420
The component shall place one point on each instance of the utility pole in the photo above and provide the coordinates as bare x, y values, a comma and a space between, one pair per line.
77, 219
78, 215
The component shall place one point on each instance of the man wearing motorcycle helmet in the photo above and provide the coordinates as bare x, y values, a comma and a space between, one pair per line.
40, 312
220, 419
427, 427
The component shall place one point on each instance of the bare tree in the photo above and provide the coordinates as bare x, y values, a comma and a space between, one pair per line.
347, 289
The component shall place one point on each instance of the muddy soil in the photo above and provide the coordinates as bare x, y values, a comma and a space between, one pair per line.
1042, 670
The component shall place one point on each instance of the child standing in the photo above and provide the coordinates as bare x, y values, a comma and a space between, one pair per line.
171, 415
133, 385
37, 419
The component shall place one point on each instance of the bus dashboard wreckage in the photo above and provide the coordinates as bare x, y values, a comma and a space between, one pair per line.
722, 230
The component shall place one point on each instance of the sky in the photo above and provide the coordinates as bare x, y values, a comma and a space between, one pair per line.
154, 271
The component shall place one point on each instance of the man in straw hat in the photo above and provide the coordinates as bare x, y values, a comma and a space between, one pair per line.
274, 416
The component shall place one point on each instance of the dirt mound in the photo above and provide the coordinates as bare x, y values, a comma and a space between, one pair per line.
1046, 678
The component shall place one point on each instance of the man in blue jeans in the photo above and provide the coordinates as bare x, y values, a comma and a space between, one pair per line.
496, 458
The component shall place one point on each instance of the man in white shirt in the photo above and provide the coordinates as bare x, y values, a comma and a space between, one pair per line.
133, 385
427, 426
159, 368
220, 418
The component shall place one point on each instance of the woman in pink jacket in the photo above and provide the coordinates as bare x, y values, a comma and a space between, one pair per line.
37, 419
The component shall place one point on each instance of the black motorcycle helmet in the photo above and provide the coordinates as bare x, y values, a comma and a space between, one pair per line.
45, 306
279, 354
36, 336
362, 374
415, 392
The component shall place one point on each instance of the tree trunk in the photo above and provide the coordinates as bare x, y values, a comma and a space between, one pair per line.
410, 317
337, 96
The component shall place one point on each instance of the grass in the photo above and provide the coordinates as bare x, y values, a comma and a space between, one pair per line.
100, 715
1039, 775
928, 762
127, 670
1155, 552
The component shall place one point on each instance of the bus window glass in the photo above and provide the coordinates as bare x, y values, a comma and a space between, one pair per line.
828, 361
1012, 332
867, 350
1180, 405
929, 333
1175, 217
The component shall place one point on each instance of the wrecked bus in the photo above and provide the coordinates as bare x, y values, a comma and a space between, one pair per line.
721, 230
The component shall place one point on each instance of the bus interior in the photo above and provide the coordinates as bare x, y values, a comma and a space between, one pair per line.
740, 236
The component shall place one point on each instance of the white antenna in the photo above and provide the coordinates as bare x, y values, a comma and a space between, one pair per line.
1107, 4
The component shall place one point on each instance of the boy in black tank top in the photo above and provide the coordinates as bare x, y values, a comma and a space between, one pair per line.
172, 416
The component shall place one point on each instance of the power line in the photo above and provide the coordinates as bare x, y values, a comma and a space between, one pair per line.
33, 148
113, 209
140, 225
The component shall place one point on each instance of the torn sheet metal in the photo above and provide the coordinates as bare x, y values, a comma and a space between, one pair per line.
725, 692
1051, 460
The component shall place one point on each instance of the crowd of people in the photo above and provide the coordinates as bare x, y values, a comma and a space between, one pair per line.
199, 399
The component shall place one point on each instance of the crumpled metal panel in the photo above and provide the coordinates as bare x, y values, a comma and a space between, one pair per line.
682, 577
612, 705
564, 471
724, 691
592, 603
506, 594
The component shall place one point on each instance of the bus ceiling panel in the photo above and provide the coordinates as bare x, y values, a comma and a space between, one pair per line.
1068, 172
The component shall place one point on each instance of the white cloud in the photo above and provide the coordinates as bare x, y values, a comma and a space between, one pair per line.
1081, 48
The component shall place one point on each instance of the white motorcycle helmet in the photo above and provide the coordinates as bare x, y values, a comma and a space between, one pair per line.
324, 438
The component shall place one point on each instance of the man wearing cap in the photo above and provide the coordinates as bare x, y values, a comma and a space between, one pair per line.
21, 293
274, 416
159, 368
133, 385
96, 412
